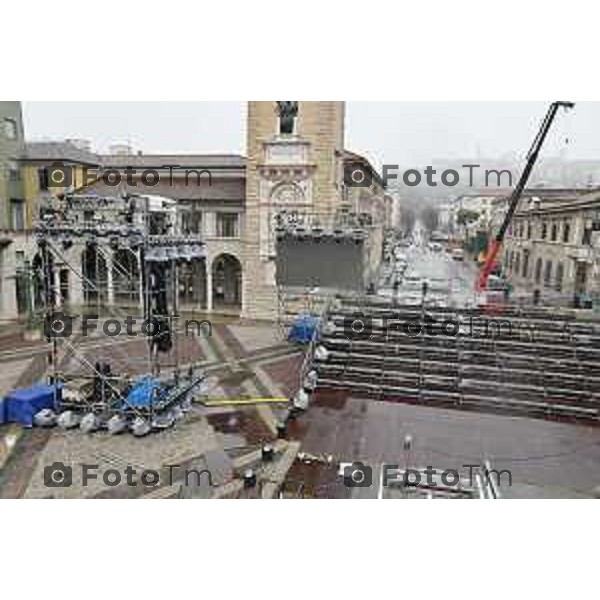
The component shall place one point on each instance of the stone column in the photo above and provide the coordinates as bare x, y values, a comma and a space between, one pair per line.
209, 285
198, 284
76, 282
56, 292
209, 224
110, 290
141, 289
8, 287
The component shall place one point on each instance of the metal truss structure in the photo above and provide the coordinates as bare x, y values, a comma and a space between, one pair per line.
144, 229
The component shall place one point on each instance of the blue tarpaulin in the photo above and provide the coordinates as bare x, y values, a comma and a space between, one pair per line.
21, 405
2, 411
142, 392
303, 329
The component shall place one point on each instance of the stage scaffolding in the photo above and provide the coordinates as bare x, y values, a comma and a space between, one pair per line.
117, 240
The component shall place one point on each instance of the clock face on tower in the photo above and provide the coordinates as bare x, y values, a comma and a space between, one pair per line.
288, 194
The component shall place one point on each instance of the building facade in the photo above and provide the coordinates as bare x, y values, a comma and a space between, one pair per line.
553, 244
230, 201
12, 142
298, 174
12, 200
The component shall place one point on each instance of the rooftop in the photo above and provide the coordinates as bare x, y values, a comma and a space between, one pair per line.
190, 161
65, 151
560, 201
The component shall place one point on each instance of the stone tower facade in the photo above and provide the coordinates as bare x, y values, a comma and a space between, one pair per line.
287, 173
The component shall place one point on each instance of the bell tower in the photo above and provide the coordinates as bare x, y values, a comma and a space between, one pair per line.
294, 168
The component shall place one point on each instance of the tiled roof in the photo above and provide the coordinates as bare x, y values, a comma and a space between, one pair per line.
565, 200
223, 189
209, 161
66, 151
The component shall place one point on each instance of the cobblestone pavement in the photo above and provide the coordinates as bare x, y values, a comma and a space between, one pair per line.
187, 440
231, 356
11, 373
546, 459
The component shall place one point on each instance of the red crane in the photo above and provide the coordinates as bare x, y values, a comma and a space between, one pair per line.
496, 244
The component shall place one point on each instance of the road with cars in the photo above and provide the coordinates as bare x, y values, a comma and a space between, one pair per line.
449, 281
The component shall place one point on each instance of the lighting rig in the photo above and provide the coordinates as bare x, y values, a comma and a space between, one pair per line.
145, 226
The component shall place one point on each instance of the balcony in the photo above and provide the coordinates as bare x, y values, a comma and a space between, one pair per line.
581, 254
319, 224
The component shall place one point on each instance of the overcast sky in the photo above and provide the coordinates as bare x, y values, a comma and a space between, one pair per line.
407, 133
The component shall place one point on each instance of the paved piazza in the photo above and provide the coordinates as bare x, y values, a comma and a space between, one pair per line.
249, 359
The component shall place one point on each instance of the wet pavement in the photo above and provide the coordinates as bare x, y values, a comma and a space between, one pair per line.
449, 280
545, 459
246, 359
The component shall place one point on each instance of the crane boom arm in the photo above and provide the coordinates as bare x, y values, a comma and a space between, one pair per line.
513, 202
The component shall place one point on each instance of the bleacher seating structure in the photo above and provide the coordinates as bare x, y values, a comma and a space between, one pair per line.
544, 364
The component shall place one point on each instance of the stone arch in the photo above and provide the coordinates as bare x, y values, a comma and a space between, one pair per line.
38, 282
95, 275
226, 272
126, 276
559, 277
525, 264
538, 270
192, 284
548, 273
287, 193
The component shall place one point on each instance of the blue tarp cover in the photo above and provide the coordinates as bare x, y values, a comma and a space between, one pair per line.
21, 405
303, 329
140, 395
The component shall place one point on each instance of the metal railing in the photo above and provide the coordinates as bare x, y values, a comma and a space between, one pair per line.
341, 221
309, 356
